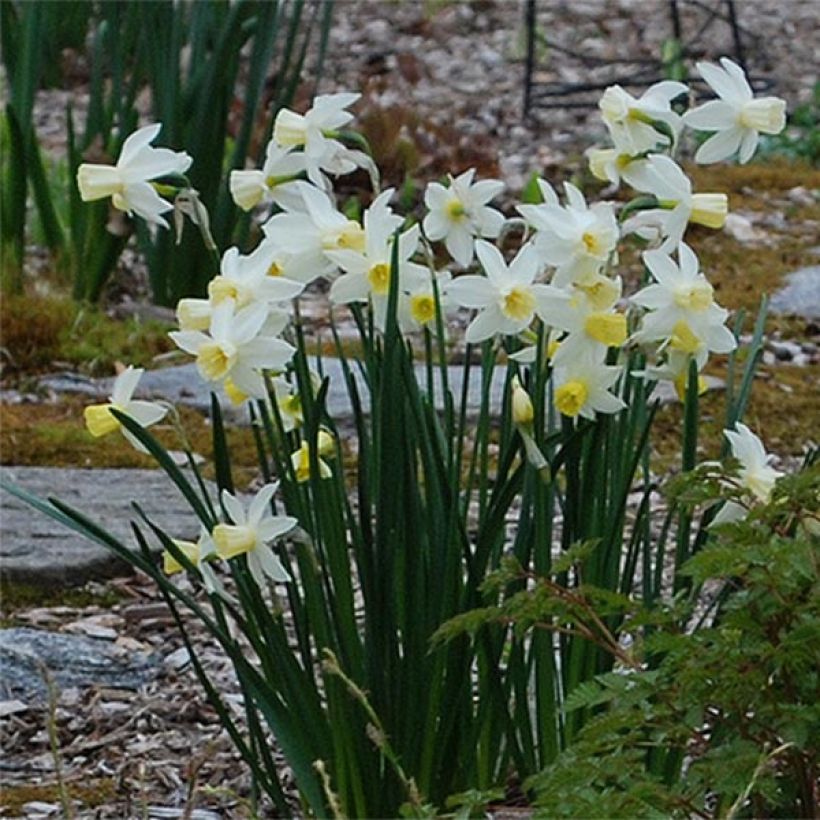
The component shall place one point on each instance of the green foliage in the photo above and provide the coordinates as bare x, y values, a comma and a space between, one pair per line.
720, 719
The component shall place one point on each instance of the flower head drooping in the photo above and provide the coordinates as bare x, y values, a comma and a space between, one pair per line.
575, 239
273, 183
417, 302
507, 297
756, 474
637, 125
250, 532
737, 117
128, 183
100, 420
200, 553
663, 177
459, 213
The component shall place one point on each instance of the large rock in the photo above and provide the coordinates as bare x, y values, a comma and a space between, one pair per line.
72, 660
800, 296
35, 549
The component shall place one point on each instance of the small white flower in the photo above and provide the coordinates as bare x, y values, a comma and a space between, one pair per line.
305, 237
581, 388
459, 213
128, 182
737, 117
417, 302
249, 279
100, 421
506, 297
273, 183
756, 474
663, 177
236, 351
682, 306
250, 532
200, 553
631, 121
575, 239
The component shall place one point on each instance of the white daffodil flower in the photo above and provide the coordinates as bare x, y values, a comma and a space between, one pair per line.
312, 131
588, 316
100, 420
575, 239
304, 237
417, 302
250, 532
506, 297
252, 278
236, 350
663, 177
756, 473
675, 369
315, 132
608, 164
631, 120
682, 306
200, 553
459, 213
128, 183
737, 117
367, 272
289, 402
274, 183
581, 388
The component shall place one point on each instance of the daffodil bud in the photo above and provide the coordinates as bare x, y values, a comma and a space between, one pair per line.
522, 409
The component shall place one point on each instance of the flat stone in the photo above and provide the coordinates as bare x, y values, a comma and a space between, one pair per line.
800, 296
35, 549
72, 660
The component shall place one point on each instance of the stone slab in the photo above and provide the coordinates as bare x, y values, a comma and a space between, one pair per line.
800, 296
73, 661
35, 549
182, 384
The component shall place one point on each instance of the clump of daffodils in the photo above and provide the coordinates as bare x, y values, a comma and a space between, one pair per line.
558, 296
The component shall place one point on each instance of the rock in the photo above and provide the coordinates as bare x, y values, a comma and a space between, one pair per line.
35, 549
73, 662
800, 296
741, 229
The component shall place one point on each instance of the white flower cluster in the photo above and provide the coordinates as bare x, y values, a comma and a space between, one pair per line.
562, 276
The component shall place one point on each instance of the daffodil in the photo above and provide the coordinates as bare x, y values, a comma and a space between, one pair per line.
459, 213
608, 164
756, 473
368, 271
677, 205
100, 420
506, 297
588, 316
250, 532
581, 388
575, 239
200, 553
681, 306
300, 459
247, 279
633, 122
737, 116
274, 183
128, 183
417, 302
235, 350
305, 237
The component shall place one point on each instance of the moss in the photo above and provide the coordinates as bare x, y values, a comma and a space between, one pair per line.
90, 794
55, 435
14, 597
783, 410
39, 330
